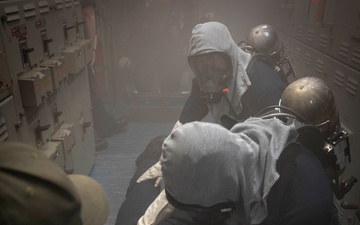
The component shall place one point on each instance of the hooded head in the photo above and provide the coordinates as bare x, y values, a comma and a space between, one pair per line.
219, 66
207, 167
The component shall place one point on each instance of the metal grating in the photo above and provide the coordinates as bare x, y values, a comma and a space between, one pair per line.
324, 41
319, 66
11, 14
299, 31
310, 35
344, 49
59, 4
29, 10
307, 58
3, 130
68, 3
339, 78
352, 86
297, 53
44, 7
356, 56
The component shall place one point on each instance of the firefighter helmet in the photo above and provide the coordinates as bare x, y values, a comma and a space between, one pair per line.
314, 101
264, 39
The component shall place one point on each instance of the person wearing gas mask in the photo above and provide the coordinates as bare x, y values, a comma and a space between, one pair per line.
311, 98
264, 44
221, 85
216, 175
312, 103
199, 164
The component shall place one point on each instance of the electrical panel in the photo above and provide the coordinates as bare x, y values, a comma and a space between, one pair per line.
58, 68
9, 122
35, 86
43, 58
85, 44
74, 58
54, 150
5, 80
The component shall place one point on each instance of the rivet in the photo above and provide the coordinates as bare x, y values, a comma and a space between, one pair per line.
30, 191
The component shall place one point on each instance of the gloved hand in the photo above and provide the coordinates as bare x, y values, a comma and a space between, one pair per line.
159, 210
177, 125
153, 172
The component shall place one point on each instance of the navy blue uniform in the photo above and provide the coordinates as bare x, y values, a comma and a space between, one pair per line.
265, 90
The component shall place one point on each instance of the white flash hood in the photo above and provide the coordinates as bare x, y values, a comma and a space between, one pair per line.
215, 37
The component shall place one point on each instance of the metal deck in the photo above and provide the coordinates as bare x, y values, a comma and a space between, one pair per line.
150, 116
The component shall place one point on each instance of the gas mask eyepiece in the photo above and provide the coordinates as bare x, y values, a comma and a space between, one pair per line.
213, 74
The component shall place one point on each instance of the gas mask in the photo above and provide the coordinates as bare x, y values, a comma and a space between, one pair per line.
213, 215
213, 73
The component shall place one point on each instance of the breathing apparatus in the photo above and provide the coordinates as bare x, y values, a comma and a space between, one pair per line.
213, 72
334, 153
214, 215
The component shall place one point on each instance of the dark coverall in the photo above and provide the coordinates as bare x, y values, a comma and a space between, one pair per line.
265, 90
